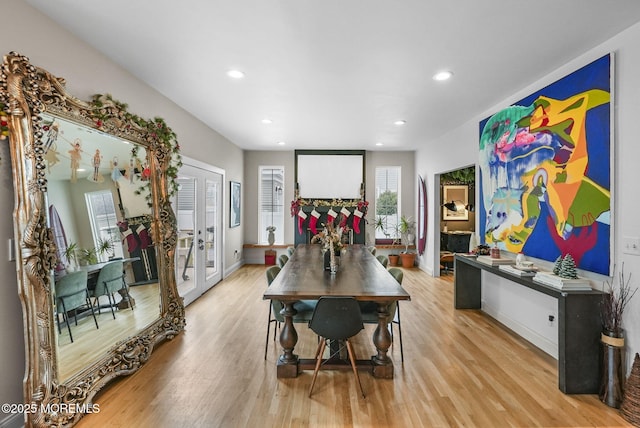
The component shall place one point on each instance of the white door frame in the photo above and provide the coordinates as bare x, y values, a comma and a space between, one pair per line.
221, 235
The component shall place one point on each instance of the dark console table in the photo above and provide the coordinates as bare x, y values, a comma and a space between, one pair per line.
579, 323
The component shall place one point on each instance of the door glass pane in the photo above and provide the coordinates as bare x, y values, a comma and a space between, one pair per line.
211, 220
186, 216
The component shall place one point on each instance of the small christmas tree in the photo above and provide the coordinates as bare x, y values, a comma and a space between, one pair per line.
556, 266
568, 268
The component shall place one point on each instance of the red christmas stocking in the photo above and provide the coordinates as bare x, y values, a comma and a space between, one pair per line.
127, 235
313, 221
301, 218
331, 215
345, 216
143, 234
357, 216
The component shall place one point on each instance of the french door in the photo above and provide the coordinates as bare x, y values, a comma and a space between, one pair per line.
199, 212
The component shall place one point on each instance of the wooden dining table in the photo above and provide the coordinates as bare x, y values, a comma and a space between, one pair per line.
360, 275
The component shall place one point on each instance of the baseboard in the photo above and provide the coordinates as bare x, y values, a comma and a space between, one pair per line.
523, 331
234, 267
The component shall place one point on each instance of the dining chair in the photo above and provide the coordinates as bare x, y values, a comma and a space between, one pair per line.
383, 260
304, 309
336, 319
373, 250
369, 311
71, 295
282, 260
110, 279
290, 250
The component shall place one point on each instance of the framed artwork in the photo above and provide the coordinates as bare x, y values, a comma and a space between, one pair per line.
234, 205
456, 199
546, 171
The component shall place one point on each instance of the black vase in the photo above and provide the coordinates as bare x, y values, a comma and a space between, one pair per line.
612, 384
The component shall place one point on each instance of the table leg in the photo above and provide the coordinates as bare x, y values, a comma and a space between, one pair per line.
288, 361
127, 301
382, 364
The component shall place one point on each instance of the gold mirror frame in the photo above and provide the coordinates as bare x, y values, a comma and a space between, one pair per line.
27, 91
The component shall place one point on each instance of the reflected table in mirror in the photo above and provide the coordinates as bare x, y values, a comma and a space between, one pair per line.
93, 270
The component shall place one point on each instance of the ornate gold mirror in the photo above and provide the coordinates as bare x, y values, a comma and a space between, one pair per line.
92, 188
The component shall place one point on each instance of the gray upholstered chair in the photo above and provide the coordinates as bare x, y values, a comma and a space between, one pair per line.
336, 319
290, 250
383, 260
373, 250
110, 279
304, 309
71, 295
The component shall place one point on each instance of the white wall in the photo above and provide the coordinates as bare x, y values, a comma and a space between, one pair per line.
373, 159
87, 72
436, 157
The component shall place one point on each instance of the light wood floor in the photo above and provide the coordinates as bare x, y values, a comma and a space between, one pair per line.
461, 369
89, 344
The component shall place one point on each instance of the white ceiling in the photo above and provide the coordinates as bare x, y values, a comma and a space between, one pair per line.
337, 74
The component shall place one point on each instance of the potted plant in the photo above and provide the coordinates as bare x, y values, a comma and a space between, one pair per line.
614, 301
105, 247
88, 256
407, 228
382, 227
71, 256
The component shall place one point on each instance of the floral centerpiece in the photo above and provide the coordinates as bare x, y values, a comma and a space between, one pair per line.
331, 239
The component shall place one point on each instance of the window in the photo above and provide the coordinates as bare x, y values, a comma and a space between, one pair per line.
104, 223
271, 203
387, 203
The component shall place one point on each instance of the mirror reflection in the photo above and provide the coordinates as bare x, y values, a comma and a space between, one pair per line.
106, 276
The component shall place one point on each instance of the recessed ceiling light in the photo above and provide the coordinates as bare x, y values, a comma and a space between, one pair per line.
281, 143
267, 121
379, 144
443, 75
235, 74
400, 122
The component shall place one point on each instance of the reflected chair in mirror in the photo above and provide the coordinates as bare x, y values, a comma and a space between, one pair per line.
72, 295
282, 260
384, 261
110, 279
336, 319
304, 309
369, 311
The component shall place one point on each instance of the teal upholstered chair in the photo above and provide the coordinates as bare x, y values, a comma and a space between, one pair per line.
71, 295
336, 319
290, 250
110, 280
304, 309
370, 311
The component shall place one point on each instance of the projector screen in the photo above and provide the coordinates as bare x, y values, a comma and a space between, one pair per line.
331, 176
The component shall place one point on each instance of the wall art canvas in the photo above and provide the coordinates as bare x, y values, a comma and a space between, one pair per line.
545, 171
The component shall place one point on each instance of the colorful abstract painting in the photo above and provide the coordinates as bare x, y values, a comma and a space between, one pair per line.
545, 171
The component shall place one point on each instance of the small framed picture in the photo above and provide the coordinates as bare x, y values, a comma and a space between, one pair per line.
234, 205
456, 199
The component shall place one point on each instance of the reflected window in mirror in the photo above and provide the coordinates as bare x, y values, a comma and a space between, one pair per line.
104, 224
